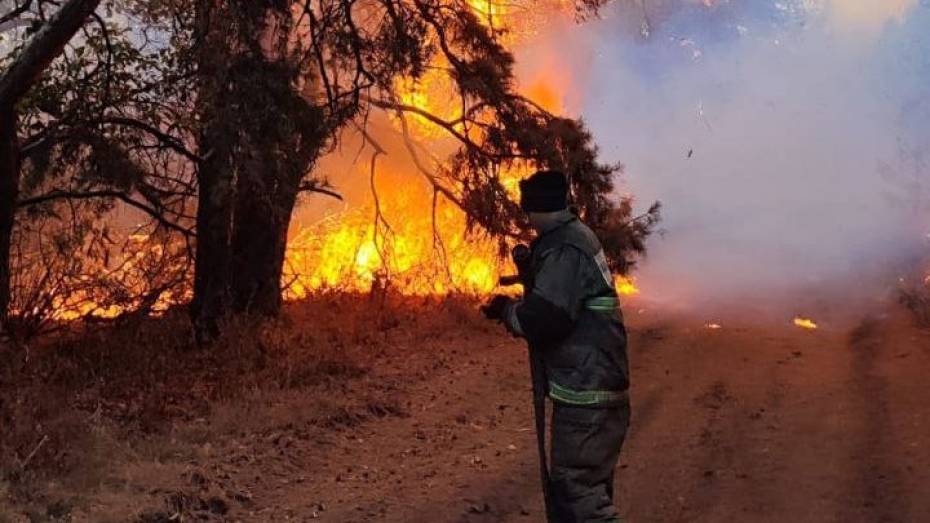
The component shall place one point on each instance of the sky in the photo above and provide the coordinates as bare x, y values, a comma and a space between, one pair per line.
787, 139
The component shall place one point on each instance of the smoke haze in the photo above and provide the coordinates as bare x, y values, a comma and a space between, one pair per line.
787, 139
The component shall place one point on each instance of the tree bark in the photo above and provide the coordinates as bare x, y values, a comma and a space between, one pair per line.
263, 205
259, 245
214, 232
261, 137
215, 173
9, 192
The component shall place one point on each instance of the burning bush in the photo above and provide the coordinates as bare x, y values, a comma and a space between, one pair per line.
64, 271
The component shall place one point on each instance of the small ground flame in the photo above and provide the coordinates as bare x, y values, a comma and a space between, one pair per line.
626, 286
805, 323
713, 326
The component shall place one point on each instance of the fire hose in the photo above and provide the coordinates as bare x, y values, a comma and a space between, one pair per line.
521, 255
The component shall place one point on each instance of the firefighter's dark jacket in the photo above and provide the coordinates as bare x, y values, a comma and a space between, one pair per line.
572, 317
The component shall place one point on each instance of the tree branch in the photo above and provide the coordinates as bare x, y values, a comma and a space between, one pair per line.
447, 126
312, 187
408, 142
58, 194
47, 44
16, 12
165, 138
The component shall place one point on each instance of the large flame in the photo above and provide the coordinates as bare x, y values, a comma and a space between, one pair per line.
418, 253
407, 239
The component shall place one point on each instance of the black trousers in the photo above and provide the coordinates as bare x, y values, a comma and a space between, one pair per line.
586, 444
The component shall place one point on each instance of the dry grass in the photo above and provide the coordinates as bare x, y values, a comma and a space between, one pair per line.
93, 412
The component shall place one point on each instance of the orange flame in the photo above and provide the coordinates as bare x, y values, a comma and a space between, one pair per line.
423, 248
626, 286
491, 12
805, 323
130, 269
419, 246
412, 254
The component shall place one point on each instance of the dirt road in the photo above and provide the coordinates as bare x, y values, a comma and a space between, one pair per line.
745, 423
428, 419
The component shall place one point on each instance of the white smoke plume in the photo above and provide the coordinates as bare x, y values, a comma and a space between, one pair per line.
787, 138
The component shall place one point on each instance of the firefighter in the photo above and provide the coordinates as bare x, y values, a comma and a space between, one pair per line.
571, 319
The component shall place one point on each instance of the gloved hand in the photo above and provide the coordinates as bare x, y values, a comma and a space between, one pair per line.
495, 308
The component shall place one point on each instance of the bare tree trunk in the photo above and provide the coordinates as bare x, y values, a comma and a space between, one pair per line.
259, 245
214, 232
16, 81
281, 140
9, 192
216, 173
261, 138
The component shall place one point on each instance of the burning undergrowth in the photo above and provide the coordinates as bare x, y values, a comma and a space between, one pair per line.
73, 277
86, 269
72, 274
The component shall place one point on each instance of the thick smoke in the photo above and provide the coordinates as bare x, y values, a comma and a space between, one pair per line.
787, 139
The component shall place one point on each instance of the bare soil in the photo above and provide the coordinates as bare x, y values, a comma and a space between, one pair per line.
427, 418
